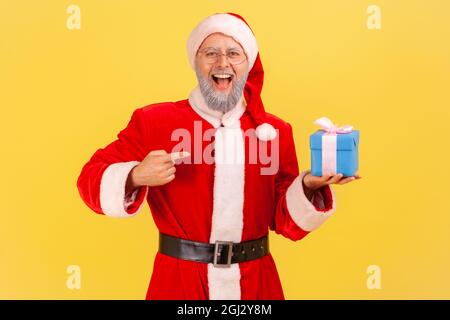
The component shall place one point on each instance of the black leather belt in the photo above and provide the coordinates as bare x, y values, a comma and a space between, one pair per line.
221, 253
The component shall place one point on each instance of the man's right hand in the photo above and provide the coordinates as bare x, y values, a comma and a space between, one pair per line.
157, 168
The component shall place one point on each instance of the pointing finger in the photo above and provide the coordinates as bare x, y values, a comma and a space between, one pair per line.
179, 155
170, 157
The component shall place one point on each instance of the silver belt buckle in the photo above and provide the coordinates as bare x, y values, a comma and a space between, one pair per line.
217, 254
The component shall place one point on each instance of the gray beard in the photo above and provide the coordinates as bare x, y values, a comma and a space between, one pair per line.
218, 101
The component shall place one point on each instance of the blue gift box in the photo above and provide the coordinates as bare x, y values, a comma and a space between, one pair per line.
346, 153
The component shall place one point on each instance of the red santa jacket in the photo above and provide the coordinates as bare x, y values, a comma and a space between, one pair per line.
208, 201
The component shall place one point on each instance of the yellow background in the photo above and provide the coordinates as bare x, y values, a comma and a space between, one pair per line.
65, 93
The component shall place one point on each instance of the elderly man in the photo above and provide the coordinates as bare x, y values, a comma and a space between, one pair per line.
209, 194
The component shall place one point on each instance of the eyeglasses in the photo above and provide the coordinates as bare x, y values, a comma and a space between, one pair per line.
234, 56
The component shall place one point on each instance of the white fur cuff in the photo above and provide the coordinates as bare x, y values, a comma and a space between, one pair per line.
302, 211
112, 189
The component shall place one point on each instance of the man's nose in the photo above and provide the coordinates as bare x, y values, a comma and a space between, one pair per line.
222, 60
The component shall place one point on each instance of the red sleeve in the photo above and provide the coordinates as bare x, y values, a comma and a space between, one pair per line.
101, 183
295, 216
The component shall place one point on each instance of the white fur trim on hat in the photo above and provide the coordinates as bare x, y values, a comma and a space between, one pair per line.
226, 24
266, 132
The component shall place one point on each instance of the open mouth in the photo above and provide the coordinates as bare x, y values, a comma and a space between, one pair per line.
222, 81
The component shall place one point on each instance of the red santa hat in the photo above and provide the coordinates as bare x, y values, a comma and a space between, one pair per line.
235, 26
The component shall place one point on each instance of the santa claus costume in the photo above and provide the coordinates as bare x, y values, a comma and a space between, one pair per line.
209, 202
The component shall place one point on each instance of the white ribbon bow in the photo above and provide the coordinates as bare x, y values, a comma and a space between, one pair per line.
330, 128
329, 144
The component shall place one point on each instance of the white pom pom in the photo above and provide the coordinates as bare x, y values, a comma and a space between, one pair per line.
266, 132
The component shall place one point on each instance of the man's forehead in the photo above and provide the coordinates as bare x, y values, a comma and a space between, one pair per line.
219, 40
229, 48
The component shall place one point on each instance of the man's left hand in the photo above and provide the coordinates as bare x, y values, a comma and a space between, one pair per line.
312, 183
